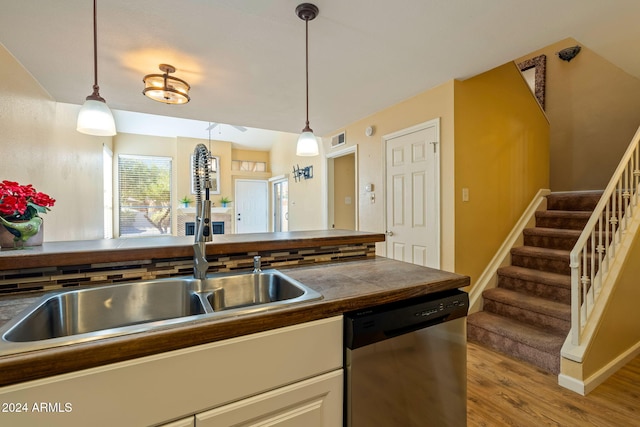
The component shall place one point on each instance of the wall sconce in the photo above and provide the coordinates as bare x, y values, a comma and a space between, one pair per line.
569, 53
306, 173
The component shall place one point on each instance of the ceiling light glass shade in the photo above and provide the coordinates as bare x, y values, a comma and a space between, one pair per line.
307, 144
165, 88
95, 118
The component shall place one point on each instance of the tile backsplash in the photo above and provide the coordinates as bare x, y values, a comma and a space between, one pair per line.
22, 281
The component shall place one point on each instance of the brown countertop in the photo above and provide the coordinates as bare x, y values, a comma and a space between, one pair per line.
119, 250
345, 286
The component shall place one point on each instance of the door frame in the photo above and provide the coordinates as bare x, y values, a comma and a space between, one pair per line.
329, 158
235, 196
272, 208
436, 176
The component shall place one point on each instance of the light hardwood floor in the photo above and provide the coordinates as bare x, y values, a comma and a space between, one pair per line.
504, 392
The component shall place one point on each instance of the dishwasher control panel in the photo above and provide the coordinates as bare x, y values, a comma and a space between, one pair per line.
377, 323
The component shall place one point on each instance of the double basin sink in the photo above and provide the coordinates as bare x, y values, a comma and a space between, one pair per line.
88, 314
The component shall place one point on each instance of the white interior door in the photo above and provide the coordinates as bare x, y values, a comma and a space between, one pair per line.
413, 195
251, 206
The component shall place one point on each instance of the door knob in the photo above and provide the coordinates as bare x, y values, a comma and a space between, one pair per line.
389, 233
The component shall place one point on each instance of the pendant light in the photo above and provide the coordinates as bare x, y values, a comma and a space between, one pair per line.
165, 88
307, 142
95, 117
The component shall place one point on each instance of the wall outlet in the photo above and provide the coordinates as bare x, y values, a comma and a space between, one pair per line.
465, 194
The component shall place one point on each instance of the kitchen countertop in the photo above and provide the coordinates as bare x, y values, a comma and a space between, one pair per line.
345, 286
120, 250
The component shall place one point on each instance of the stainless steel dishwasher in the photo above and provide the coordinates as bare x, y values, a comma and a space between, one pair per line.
406, 363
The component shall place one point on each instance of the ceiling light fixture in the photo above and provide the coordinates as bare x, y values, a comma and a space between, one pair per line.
95, 117
165, 88
307, 142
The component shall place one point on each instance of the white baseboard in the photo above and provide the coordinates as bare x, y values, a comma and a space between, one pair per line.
572, 384
587, 386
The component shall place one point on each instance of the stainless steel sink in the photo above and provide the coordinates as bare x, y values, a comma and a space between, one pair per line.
88, 314
266, 289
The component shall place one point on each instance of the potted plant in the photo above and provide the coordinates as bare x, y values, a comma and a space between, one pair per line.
20, 206
224, 200
186, 201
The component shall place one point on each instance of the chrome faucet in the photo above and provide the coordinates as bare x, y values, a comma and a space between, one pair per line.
257, 263
202, 181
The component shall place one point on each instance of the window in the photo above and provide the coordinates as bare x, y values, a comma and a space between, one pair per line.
144, 199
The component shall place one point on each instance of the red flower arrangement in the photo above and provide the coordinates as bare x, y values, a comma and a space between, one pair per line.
22, 202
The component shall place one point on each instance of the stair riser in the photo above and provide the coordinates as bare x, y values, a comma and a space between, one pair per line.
552, 265
526, 316
542, 290
550, 242
561, 222
518, 350
579, 202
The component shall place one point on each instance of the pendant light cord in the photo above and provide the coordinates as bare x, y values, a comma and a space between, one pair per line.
95, 47
306, 28
96, 89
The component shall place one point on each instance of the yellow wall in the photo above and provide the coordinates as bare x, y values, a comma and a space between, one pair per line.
501, 156
40, 146
437, 102
592, 107
307, 204
619, 331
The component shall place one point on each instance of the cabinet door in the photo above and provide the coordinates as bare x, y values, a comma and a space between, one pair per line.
316, 402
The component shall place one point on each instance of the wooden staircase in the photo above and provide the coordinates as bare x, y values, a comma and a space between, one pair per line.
528, 314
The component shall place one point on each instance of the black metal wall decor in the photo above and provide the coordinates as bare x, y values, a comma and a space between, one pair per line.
299, 173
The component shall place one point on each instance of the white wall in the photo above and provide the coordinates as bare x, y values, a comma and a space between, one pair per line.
40, 146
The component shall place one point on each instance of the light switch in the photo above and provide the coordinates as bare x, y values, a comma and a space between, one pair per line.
347, 200
465, 194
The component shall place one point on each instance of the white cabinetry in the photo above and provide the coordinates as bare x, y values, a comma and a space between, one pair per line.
316, 402
264, 374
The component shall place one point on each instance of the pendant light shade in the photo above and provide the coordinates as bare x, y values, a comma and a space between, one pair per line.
95, 117
307, 142
165, 88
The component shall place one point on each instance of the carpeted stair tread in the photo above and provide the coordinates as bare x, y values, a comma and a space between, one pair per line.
574, 200
528, 302
516, 339
556, 238
530, 275
543, 259
574, 220
546, 341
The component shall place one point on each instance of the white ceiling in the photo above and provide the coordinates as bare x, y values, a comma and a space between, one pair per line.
244, 59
